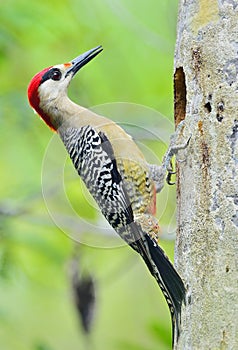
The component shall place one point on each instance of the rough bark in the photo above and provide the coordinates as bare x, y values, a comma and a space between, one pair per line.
206, 96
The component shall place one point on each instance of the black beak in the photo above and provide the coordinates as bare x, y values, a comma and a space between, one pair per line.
83, 59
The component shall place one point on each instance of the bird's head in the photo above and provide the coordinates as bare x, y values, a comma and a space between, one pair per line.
52, 82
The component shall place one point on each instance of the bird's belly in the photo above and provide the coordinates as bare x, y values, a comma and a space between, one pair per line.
138, 185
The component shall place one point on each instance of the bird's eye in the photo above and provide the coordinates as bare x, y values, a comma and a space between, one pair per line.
56, 74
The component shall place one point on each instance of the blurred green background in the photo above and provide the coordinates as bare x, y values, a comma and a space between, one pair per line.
37, 310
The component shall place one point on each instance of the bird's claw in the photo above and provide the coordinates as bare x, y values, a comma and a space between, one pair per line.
168, 180
170, 173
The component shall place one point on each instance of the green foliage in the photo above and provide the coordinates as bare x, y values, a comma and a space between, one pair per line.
136, 66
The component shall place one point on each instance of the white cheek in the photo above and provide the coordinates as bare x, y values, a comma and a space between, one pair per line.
50, 93
48, 90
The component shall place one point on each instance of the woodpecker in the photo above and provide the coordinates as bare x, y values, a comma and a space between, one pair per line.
114, 170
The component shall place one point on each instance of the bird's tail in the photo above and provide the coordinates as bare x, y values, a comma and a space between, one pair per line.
170, 283
166, 276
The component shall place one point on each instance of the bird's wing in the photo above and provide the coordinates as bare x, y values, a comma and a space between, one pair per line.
93, 157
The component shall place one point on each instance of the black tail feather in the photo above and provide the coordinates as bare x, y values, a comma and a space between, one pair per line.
170, 282
166, 276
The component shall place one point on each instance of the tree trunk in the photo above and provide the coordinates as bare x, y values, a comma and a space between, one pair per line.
206, 97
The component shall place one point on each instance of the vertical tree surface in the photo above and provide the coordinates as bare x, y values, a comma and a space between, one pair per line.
206, 97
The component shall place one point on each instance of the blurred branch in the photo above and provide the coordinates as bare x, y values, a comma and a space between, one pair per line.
83, 287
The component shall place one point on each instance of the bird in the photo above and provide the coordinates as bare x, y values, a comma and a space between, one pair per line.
114, 170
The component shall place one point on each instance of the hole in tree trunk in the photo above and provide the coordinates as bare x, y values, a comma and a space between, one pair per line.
179, 95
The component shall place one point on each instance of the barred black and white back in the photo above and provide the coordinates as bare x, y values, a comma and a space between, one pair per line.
93, 158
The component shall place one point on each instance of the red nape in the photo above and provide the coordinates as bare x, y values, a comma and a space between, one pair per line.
34, 99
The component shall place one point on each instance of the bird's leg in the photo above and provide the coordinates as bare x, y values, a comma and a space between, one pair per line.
158, 173
177, 143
